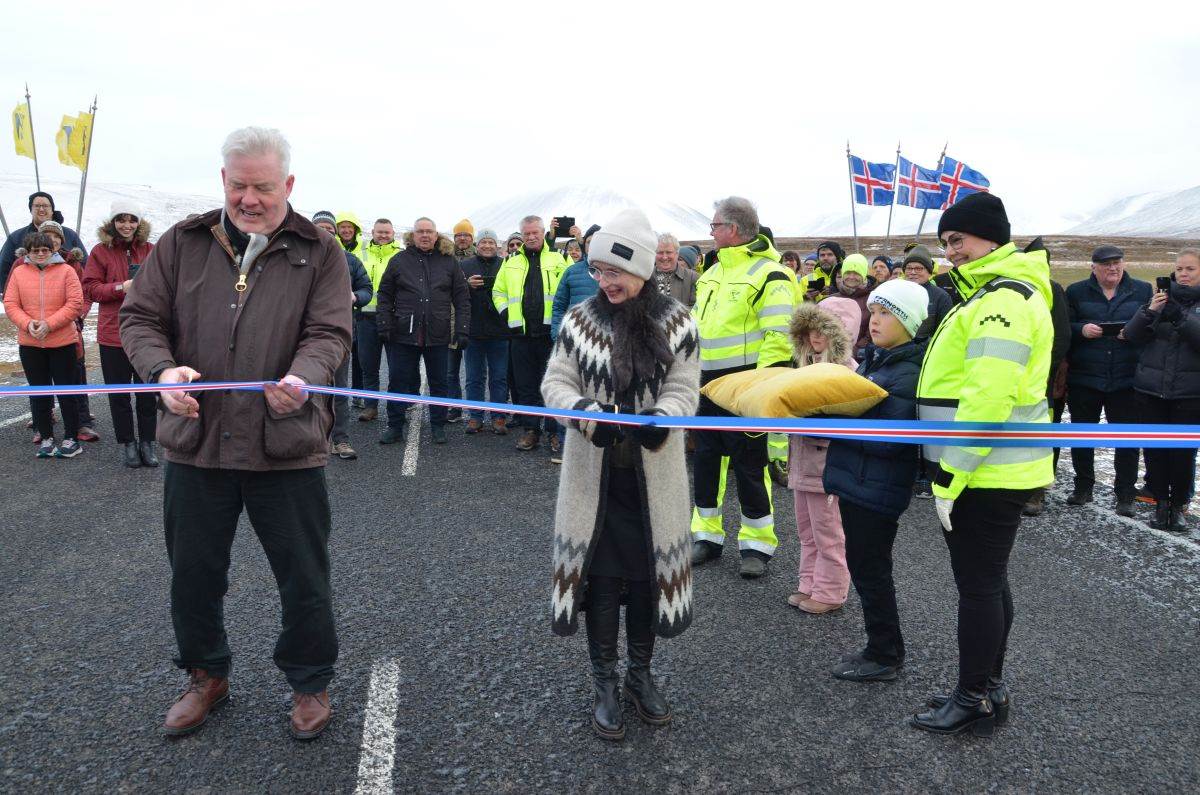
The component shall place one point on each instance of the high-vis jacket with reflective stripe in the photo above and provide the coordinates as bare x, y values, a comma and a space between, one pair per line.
989, 361
509, 288
744, 304
375, 259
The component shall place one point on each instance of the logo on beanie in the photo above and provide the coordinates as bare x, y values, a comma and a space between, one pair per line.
889, 306
622, 251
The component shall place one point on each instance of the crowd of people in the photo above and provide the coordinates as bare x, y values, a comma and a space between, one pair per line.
614, 317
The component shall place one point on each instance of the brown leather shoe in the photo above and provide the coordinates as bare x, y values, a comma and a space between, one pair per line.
368, 414
310, 714
529, 440
204, 693
500, 426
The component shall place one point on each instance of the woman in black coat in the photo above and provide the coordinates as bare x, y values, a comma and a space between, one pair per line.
1168, 383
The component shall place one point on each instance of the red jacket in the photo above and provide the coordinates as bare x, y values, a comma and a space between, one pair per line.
107, 267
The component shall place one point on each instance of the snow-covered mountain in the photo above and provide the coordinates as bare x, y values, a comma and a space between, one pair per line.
162, 208
1161, 214
589, 205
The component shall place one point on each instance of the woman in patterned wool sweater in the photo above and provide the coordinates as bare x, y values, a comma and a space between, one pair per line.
621, 521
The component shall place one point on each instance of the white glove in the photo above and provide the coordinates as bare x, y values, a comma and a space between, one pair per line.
944, 507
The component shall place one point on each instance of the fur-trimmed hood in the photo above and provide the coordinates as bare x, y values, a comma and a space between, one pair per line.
444, 244
810, 317
106, 234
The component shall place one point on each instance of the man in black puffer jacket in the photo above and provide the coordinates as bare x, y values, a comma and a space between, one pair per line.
413, 313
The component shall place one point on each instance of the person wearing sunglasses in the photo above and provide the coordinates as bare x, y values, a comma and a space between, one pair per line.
988, 361
42, 300
620, 526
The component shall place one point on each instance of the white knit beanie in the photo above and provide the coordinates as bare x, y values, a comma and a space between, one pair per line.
626, 242
125, 207
907, 300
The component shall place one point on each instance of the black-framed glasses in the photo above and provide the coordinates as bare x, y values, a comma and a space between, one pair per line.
597, 274
955, 241
713, 226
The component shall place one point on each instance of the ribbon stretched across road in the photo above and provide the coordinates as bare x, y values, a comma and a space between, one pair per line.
942, 433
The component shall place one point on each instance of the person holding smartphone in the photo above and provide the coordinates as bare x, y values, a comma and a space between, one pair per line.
1167, 381
487, 354
1101, 366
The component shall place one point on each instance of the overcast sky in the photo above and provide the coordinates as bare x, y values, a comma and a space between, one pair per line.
440, 108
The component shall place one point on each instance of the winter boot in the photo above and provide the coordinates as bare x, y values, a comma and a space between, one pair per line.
651, 707
602, 619
997, 694
1035, 504
1162, 515
963, 711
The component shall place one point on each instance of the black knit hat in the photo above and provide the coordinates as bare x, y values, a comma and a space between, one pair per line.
835, 247
44, 195
324, 215
980, 214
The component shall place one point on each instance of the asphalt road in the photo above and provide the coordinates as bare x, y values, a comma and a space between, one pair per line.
449, 677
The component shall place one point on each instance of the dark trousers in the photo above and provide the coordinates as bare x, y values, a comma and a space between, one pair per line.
870, 536
1170, 471
341, 405
117, 370
289, 511
356, 381
529, 357
747, 458
603, 609
404, 376
1057, 406
58, 366
985, 525
370, 351
454, 360
83, 401
1120, 406
487, 361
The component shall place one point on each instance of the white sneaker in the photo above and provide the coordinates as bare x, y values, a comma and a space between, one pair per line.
68, 449
46, 448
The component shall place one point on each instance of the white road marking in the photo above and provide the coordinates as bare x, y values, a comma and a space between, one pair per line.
15, 420
412, 448
377, 756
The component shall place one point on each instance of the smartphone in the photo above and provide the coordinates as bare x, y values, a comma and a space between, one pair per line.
1111, 329
817, 285
133, 269
565, 222
1163, 284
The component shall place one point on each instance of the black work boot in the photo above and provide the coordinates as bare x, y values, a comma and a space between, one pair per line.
1176, 521
704, 551
1162, 515
132, 459
1080, 497
651, 707
602, 620
963, 711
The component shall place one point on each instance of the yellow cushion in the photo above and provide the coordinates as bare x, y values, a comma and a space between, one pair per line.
774, 392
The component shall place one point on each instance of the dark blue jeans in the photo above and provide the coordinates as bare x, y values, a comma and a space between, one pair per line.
404, 376
487, 359
370, 350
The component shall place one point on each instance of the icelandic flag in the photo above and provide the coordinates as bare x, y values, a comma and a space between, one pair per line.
873, 182
918, 187
959, 181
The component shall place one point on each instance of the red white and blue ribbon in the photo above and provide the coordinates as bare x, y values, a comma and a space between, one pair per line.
941, 433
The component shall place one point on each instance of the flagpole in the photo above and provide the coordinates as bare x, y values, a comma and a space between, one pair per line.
33, 139
941, 159
3, 221
853, 214
87, 161
895, 174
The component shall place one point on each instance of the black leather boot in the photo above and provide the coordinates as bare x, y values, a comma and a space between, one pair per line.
963, 711
1177, 523
602, 620
997, 694
132, 459
651, 707
146, 452
1162, 515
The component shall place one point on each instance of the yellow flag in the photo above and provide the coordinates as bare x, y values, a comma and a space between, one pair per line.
66, 130
23, 130
80, 142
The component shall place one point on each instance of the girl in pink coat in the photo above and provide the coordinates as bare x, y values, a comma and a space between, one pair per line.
819, 334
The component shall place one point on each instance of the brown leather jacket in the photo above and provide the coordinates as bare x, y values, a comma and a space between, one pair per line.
294, 317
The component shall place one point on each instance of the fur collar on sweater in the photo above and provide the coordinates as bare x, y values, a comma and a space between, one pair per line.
639, 339
810, 317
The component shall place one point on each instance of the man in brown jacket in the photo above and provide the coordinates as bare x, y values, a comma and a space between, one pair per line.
200, 309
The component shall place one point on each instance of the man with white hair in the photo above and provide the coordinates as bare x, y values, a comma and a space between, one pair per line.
252, 291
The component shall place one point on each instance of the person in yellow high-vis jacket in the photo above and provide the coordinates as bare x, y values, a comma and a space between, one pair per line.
744, 302
524, 297
988, 361
375, 255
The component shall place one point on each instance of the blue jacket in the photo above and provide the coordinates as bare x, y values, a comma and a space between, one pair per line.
879, 476
8, 254
574, 287
360, 282
1105, 363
